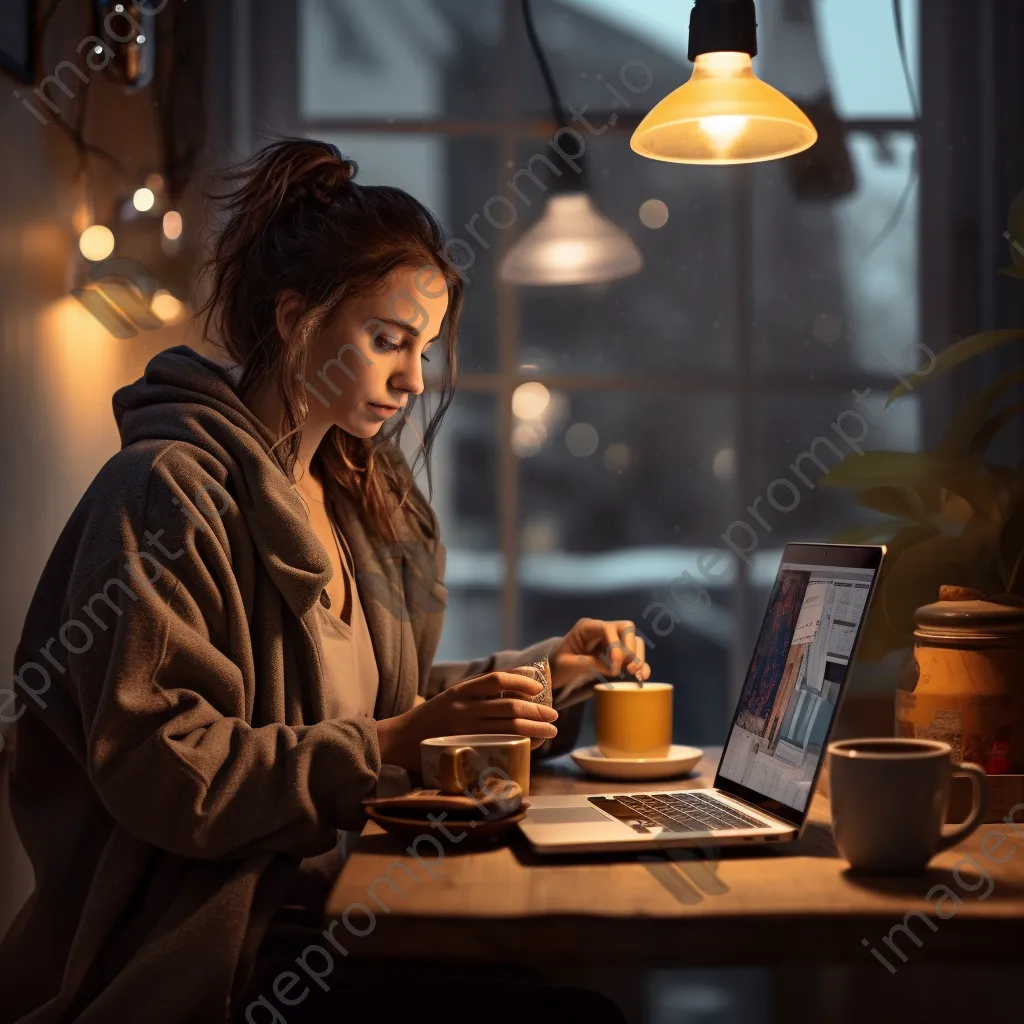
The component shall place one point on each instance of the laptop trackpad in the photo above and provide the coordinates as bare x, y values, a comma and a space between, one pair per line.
564, 815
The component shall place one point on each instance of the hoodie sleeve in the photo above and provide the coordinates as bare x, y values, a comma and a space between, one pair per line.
166, 692
446, 673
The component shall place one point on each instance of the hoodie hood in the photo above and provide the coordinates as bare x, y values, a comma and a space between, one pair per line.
185, 397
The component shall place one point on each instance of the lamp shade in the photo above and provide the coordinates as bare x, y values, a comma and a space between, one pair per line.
571, 244
723, 115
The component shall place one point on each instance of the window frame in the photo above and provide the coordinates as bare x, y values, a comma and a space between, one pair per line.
264, 90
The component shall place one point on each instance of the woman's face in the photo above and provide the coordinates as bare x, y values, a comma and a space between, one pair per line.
367, 361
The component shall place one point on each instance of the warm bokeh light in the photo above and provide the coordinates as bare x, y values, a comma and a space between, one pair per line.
617, 457
172, 225
96, 242
723, 465
143, 199
528, 437
167, 307
530, 400
723, 115
155, 182
653, 213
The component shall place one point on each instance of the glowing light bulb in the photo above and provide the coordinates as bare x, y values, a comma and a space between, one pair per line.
723, 130
96, 242
143, 199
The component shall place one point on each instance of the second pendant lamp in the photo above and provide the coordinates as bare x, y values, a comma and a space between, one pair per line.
724, 114
572, 243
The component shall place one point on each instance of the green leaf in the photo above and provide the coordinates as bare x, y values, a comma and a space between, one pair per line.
957, 353
968, 421
924, 472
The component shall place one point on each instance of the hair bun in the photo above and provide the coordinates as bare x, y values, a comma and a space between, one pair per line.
345, 169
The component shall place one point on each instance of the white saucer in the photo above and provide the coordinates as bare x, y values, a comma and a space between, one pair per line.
679, 761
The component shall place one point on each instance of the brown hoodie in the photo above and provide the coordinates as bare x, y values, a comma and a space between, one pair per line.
172, 764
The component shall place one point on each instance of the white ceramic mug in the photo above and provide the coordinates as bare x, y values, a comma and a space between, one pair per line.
453, 764
889, 800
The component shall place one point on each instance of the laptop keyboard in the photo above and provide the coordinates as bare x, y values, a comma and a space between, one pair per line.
685, 812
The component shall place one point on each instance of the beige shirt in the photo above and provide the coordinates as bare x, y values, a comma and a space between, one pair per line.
351, 676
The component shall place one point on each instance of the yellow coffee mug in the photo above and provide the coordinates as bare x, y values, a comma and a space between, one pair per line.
633, 720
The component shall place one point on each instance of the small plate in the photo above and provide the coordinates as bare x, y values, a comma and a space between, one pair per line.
480, 830
680, 760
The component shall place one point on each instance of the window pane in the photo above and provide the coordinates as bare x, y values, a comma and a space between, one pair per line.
813, 431
823, 299
454, 178
433, 59
602, 471
806, 48
605, 55
465, 484
423, 59
465, 498
676, 314
472, 623
858, 41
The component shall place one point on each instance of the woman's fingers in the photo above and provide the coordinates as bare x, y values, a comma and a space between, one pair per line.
636, 644
522, 717
494, 684
521, 727
509, 707
624, 650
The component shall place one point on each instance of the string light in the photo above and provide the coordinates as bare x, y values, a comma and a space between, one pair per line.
143, 199
96, 242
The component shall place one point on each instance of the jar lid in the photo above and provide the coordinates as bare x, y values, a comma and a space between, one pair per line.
962, 613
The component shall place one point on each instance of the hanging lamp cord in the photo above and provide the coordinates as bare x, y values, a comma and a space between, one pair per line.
904, 198
545, 69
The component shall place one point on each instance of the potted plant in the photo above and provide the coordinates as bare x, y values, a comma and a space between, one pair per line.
951, 515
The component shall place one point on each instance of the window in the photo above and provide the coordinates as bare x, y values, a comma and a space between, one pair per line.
674, 399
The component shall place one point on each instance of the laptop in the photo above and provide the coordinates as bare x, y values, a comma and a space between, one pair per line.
775, 745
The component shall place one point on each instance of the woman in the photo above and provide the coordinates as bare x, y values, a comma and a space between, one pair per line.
232, 642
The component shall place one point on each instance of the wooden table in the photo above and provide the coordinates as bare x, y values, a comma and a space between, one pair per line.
765, 905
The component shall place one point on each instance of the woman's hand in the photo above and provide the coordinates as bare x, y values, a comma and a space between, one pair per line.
594, 648
487, 703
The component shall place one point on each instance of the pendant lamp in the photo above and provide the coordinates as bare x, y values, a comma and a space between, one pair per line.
572, 243
724, 114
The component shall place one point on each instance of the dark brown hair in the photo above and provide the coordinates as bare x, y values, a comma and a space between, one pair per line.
297, 221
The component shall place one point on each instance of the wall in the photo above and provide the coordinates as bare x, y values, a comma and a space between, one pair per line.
58, 366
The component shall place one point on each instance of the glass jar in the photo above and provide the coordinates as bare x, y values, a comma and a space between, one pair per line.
968, 683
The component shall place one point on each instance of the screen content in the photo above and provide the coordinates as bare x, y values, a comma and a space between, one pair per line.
792, 686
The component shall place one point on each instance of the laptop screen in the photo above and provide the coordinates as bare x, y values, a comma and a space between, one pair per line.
796, 675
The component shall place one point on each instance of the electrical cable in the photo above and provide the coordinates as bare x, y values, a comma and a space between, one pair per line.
545, 69
903, 201
178, 95
901, 43
75, 133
